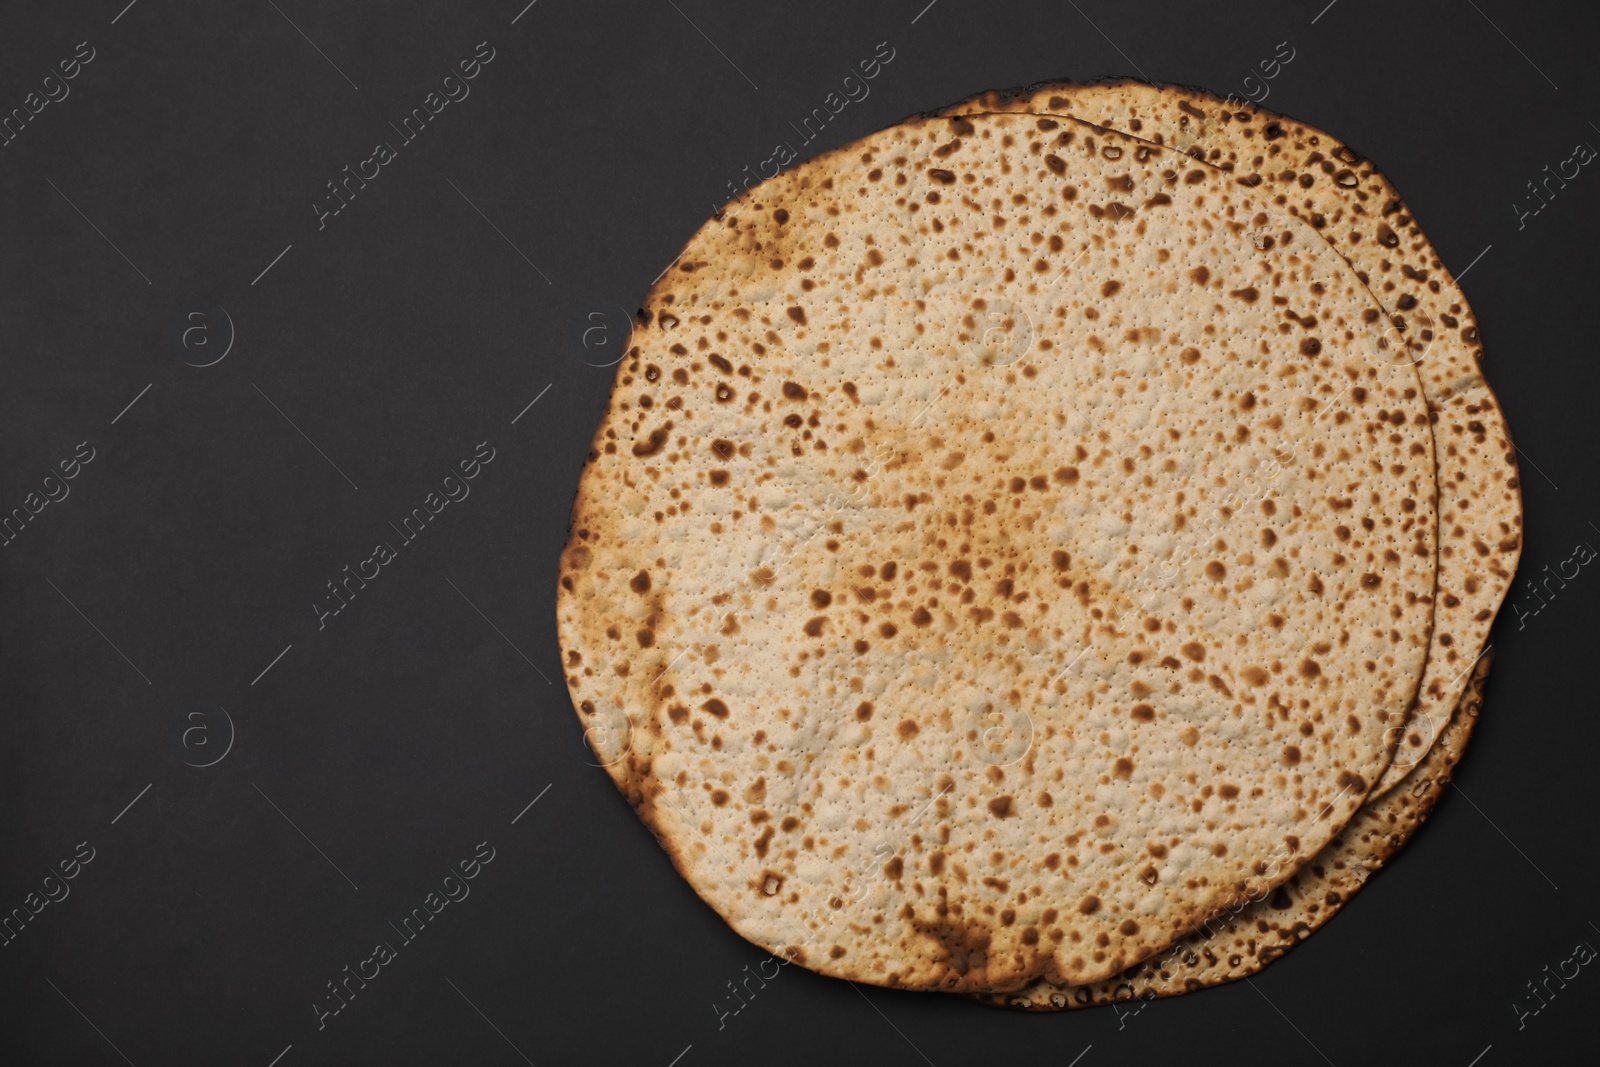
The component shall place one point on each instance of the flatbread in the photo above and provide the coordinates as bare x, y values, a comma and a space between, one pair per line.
1237, 944
1314, 176
999, 418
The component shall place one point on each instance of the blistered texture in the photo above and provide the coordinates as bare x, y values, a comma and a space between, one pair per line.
1238, 943
1006, 545
1314, 176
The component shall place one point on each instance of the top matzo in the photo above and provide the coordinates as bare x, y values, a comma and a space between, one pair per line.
1005, 546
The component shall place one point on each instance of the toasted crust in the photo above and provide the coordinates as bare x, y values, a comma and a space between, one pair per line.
1362, 215
811, 743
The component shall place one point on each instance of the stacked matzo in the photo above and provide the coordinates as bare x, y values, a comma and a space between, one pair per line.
1016, 548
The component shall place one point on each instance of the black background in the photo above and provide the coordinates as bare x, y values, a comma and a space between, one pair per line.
422, 719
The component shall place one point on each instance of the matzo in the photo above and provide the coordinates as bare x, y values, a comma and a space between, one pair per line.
1002, 419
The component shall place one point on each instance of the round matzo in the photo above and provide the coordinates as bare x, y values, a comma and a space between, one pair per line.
989, 424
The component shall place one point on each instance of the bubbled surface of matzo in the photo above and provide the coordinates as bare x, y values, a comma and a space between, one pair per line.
1004, 547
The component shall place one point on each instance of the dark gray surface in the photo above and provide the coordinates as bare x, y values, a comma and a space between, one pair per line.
380, 750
